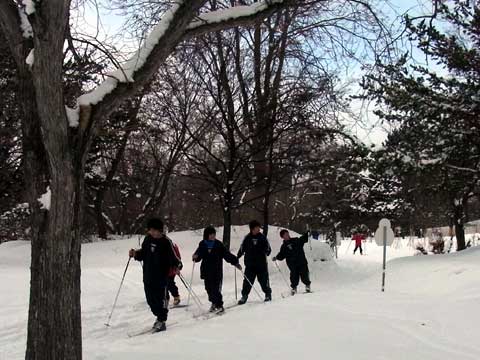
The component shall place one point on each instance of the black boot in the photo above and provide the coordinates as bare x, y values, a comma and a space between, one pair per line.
159, 326
242, 300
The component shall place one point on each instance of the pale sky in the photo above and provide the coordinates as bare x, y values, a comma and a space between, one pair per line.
106, 28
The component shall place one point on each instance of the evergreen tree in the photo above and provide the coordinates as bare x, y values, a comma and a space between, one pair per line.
435, 150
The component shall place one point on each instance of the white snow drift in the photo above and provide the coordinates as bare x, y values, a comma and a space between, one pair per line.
429, 309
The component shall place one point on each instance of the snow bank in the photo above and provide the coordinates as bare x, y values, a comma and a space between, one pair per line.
427, 312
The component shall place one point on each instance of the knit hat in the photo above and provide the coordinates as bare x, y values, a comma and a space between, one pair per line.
283, 232
155, 223
253, 224
208, 231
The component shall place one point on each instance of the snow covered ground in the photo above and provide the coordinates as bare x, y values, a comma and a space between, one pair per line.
429, 309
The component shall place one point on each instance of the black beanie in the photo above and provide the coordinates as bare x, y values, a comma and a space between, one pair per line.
155, 223
208, 230
253, 224
283, 232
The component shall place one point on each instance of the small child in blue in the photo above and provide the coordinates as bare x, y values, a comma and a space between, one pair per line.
211, 252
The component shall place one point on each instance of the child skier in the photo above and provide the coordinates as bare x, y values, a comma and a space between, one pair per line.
211, 252
158, 258
358, 238
292, 251
256, 248
172, 287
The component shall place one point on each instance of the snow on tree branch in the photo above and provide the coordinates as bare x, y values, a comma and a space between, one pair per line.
126, 71
29, 6
211, 21
238, 13
27, 30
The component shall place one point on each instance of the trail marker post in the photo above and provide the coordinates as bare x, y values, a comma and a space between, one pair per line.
384, 236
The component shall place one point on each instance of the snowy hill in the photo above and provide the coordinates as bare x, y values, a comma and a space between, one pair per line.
429, 309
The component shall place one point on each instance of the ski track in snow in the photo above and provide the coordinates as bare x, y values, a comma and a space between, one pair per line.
428, 311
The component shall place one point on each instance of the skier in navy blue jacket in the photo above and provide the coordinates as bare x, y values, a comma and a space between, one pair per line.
256, 248
159, 258
211, 252
292, 251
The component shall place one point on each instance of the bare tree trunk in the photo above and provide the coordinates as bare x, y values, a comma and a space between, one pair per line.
102, 227
227, 227
54, 324
268, 189
34, 161
458, 224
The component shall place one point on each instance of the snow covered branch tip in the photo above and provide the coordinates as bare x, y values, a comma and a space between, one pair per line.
211, 21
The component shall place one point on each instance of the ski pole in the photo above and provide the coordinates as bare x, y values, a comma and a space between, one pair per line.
194, 294
189, 286
191, 282
250, 283
236, 296
309, 237
283, 276
189, 289
118, 293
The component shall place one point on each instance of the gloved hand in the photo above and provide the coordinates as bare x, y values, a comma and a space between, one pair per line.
239, 267
274, 258
131, 253
180, 266
195, 257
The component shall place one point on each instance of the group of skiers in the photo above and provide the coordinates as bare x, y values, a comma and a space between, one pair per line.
162, 262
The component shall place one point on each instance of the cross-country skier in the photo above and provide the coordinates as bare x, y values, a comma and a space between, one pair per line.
292, 251
358, 238
158, 258
211, 252
172, 287
256, 248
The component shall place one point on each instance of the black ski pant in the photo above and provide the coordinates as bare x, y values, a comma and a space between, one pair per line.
251, 274
298, 272
157, 298
172, 287
213, 286
358, 247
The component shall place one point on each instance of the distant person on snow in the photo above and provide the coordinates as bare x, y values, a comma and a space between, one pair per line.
358, 238
159, 258
292, 251
172, 287
211, 252
256, 248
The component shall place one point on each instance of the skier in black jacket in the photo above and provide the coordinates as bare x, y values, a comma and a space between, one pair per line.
158, 258
292, 251
256, 248
211, 252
